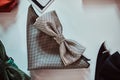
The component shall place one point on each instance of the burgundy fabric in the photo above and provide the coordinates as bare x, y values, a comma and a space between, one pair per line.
8, 6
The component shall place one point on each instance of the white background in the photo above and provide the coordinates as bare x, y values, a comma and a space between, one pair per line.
88, 22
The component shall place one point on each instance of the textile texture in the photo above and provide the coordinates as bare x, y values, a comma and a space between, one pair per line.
108, 66
43, 50
7, 5
8, 69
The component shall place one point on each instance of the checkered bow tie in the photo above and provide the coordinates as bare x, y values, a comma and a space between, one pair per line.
70, 51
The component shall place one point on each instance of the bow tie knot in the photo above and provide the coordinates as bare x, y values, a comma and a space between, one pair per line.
59, 38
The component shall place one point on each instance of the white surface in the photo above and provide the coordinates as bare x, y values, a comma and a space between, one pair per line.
89, 25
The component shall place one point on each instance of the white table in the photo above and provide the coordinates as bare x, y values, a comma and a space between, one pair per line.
87, 23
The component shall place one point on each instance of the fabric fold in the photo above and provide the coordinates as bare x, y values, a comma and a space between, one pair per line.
107, 66
8, 5
8, 69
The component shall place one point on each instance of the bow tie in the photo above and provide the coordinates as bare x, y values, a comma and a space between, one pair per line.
8, 69
70, 51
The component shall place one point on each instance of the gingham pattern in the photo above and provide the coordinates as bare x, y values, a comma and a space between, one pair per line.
43, 51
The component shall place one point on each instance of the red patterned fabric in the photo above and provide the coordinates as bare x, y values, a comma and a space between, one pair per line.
7, 5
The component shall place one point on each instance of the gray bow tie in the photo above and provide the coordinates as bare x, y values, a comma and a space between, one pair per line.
70, 51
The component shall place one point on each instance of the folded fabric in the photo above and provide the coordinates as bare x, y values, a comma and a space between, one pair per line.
60, 74
7, 5
50, 55
48, 48
108, 66
8, 69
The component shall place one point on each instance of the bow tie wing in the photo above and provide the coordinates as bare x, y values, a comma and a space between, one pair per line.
70, 51
49, 24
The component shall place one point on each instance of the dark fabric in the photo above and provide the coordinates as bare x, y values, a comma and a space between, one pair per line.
107, 66
40, 5
102, 56
111, 68
43, 51
7, 5
8, 69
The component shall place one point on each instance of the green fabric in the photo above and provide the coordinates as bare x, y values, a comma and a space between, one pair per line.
11, 62
8, 69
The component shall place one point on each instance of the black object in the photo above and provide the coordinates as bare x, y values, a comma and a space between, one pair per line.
40, 5
108, 66
8, 69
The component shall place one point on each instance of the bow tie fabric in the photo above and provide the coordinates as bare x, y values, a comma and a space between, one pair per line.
47, 46
70, 51
8, 69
